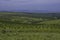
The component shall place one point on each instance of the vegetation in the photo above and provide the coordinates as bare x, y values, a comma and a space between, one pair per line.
29, 26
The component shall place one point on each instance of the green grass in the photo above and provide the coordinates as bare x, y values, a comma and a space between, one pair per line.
30, 36
52, 22
20, 26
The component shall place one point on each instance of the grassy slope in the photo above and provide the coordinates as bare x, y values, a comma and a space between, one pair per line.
52, 22
10, 30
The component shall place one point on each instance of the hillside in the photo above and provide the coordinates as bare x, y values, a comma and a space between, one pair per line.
29, 26
52, 22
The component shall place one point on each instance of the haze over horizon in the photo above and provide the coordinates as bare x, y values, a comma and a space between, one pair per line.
30, 5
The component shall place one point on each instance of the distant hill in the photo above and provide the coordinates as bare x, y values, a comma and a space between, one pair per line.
30, 11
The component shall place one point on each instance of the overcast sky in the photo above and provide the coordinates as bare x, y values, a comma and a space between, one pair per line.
50, 5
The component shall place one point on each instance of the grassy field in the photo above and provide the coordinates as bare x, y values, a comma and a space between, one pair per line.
27, 26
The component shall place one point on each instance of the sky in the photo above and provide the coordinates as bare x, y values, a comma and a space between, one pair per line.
44, 5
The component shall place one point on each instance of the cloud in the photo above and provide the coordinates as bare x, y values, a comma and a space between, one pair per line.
33, 1
5, 0
36, 1
30, 4
27, 2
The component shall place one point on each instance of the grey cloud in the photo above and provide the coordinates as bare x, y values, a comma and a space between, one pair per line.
34, 1
30, 4
5, 0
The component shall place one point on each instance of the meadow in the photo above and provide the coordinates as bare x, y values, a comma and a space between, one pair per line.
29, 26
